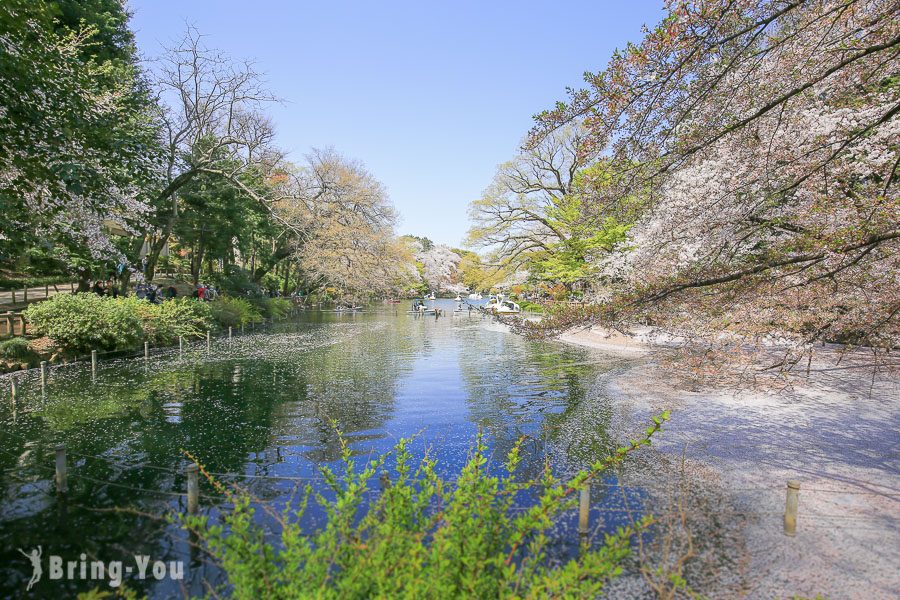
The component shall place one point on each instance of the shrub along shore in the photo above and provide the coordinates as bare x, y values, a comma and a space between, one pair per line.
69, 325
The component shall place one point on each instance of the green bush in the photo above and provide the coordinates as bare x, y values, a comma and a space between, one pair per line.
163, 323
84, 322
272, 308
233, 312
192, 318
531, 306
422, 537
16, 349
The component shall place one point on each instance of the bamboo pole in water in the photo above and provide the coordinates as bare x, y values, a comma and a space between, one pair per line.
584, 509
193, 488
61, 470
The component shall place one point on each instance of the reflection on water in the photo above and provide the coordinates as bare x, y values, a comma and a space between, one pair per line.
261, 407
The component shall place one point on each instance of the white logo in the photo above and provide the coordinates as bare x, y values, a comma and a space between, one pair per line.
36, 571
112, 571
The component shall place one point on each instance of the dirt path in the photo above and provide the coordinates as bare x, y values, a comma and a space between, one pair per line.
836, 431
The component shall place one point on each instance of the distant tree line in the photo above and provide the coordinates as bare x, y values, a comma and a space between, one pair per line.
111, 166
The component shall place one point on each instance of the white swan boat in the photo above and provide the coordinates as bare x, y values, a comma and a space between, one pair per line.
498, 306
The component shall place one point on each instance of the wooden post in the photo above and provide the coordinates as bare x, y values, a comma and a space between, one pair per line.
94, 364
193, 488
584, 509
43, 375
13, 291
25, 293
229, 333
180, 345
61, 485
146, 350
790, 508
208, 342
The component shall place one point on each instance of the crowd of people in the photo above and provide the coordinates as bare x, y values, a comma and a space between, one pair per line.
205, 292
154, 293
150, 291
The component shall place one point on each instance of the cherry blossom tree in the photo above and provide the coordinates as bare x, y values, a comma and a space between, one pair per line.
77, 144
767, 135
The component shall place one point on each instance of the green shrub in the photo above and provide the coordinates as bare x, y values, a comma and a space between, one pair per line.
192, 318
83, 322
16, 349
163, 323
272, 308
531, 306
233, 312
422, 537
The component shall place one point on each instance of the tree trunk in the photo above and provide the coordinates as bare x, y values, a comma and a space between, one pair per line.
84, 281
287, 279
167, 194
197, 263
265, 266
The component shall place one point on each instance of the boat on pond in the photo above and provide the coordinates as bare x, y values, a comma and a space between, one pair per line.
419, 308
499, 306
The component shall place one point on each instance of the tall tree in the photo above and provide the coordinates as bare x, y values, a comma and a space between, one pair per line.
77, 140
211, 111
548, 210
343, 223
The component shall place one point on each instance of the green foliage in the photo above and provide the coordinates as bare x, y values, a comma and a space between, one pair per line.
234, 312
83, 322
272, 308
236, 282
426, 243
16, 349
422, 537
106, 594
33, 281
215, 219
531, 306
568, 260
76, 124
478, 276
163, 323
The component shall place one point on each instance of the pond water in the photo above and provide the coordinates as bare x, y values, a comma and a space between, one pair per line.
259, 408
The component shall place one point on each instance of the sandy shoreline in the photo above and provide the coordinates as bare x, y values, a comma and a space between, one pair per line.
836, 431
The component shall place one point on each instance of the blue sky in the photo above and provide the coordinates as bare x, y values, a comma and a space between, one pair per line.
431, 96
